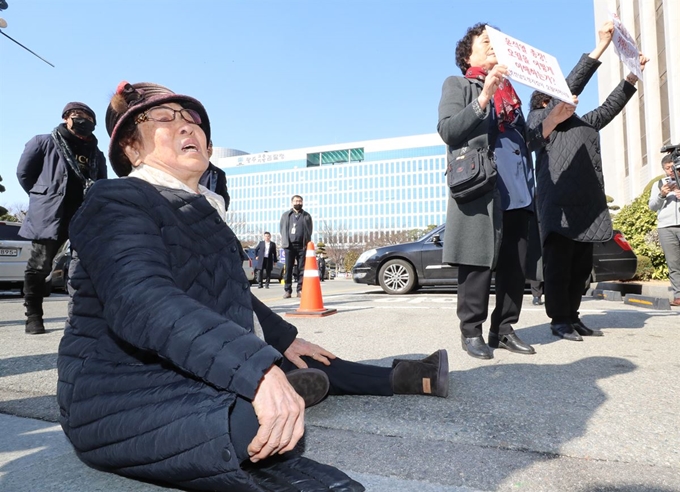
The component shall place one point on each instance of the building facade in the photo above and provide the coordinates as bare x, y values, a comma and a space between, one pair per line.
631, 143
353, 191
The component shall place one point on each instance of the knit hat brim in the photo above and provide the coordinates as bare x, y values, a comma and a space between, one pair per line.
133, 99
81, 106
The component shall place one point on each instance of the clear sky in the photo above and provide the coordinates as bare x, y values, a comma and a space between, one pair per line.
273, 74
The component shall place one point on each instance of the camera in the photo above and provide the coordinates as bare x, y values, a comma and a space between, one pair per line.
674, 151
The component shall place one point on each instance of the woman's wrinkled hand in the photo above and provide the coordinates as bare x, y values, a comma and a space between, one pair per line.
491, 83
281, 414
563, 111
301, 347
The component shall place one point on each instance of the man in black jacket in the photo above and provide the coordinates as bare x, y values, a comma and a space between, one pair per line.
55, 170
296, 231
265, 257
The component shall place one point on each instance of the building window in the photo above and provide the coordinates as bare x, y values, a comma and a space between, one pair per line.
331, 157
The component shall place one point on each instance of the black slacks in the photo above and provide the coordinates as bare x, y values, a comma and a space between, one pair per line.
265, 273
566, 267
294, 255
38, 267
474, 283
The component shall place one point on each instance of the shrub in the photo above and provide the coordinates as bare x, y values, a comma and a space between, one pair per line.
638, 224
645, 269
351, 257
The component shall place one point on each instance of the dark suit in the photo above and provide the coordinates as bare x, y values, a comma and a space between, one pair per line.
265, 262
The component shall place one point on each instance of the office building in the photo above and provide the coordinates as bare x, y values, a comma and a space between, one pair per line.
354, 191
651, 119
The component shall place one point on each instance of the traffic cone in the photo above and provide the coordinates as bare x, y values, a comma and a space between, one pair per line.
311, 304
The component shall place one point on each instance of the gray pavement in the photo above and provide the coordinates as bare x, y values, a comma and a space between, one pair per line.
584, 416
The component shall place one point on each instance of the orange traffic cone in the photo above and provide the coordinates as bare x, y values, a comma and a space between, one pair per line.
312, 302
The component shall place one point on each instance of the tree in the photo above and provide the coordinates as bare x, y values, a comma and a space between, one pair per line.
15, 213
335, 241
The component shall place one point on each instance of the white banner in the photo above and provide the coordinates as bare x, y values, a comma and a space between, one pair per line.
530, 66
625, 47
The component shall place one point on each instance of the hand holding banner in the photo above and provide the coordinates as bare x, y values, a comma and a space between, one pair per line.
530, 66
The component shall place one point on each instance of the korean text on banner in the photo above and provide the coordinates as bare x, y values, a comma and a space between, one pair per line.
625, 47
529, 66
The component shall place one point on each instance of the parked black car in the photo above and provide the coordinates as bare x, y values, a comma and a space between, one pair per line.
403, 268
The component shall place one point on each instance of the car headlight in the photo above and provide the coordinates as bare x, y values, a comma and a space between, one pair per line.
365, 256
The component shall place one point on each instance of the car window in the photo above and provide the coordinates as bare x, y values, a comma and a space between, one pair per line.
9, 232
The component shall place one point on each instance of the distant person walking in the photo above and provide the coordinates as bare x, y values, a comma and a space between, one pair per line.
296, 231
666, 203
322, 268
55, 170
265, 257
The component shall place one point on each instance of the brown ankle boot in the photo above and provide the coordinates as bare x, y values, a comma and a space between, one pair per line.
429, 376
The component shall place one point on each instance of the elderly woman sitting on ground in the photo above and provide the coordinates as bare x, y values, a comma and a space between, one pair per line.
161, 376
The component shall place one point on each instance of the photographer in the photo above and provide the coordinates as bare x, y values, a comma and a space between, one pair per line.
666, 203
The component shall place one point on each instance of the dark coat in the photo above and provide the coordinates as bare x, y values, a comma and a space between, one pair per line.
285, 228
159, 340
43, 174
216, 181
259, 255
570, 181
473, 229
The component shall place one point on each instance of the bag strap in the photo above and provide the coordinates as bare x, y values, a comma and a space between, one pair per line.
68, 155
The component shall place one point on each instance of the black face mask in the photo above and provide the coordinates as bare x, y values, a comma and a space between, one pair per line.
82, 126
297, 207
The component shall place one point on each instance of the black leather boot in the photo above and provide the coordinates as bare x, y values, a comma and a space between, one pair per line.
429, 376
34, 316
585, 331
511, 342
311, 384
476, 347
298, 474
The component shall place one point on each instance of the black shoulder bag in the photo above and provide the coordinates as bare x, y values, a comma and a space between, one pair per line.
471, 174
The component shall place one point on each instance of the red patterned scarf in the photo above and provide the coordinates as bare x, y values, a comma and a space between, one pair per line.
505, 99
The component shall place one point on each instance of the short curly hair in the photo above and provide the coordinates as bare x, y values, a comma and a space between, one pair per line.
464, 46
537, 100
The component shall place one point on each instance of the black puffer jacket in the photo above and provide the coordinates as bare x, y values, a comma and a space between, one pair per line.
570, 182
159, 339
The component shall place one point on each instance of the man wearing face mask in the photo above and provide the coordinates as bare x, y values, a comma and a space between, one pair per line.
55, 170
296, 231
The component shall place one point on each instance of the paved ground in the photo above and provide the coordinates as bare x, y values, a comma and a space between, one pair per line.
592, 416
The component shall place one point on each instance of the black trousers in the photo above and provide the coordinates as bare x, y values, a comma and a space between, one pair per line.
566, 267
38, 268
294, 255
474, 283
265, 273
346, 378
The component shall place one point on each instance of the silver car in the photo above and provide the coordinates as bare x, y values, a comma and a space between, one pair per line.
14, 253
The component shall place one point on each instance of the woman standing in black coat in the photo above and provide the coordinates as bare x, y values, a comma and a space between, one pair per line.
572, 204
482, 111
161, 376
